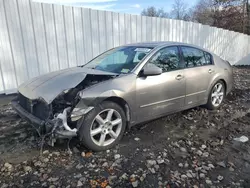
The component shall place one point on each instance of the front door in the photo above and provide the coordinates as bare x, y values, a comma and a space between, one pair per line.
160, 94
198, 73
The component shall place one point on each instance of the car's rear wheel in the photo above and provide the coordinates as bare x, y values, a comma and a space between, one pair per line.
103, 127
216, 96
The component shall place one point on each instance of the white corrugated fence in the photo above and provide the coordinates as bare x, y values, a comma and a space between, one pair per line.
37, 38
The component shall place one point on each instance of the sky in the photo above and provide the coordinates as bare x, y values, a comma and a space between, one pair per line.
124, 6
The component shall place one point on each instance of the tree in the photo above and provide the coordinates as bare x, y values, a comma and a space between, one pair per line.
180, 10
229, 14
248, 17
203, 12
226, 14
153, 12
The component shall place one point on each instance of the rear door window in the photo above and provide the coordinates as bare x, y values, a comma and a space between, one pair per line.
194, 57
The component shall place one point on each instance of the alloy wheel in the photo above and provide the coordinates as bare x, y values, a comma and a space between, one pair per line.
106, 127
217, 94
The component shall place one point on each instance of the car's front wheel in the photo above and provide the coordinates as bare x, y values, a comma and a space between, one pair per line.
103, 127
216, 96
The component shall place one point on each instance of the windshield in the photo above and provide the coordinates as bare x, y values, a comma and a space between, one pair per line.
119, 60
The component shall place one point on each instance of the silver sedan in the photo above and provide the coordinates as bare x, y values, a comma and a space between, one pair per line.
122, 87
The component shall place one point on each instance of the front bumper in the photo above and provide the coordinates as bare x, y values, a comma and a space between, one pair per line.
40, 125
37, 123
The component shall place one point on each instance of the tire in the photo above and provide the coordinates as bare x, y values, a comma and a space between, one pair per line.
97, 123
220, 94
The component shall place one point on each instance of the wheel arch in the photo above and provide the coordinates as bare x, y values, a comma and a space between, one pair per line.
225, 84
215, 80
209, 104
125, 106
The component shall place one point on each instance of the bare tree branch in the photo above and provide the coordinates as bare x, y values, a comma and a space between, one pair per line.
180, 10
226, 14
153, 12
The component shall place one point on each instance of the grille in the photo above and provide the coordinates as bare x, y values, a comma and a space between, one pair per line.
38, 108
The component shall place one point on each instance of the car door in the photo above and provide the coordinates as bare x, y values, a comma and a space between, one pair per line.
198, 73
160, 94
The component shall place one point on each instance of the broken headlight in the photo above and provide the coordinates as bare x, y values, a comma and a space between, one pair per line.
77, 113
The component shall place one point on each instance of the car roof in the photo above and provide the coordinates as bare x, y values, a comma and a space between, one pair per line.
149, 44
164, 43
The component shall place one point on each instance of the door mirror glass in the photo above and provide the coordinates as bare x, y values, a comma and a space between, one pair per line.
151, 70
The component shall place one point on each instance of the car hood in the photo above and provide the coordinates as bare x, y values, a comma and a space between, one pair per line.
50, 85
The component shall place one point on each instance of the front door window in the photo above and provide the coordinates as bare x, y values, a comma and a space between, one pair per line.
167, 58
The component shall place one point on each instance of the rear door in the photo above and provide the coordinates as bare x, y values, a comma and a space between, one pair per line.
198, 73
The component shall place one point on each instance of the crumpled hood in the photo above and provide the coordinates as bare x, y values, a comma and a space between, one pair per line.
50, 85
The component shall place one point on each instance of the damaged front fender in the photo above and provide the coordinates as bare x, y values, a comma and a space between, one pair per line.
112, 90
86, 104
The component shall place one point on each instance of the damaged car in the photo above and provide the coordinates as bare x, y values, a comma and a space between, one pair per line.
122, 87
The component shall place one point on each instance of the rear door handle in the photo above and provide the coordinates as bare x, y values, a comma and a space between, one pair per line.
179, 77
210, 71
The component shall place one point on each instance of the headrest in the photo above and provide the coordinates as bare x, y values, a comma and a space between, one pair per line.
141, 56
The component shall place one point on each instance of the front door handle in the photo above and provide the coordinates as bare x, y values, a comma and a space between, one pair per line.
210, 71
179, 77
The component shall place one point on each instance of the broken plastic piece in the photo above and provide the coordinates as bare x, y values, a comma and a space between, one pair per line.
63, 117
65, 134
241, 139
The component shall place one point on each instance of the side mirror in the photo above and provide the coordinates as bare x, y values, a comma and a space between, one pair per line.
151, 70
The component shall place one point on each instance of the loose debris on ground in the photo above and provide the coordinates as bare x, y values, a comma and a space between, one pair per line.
194, 148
